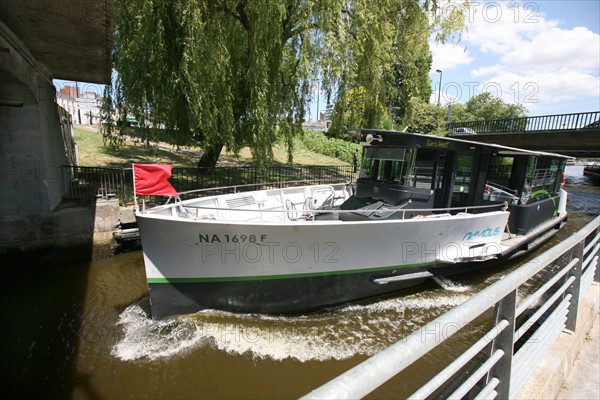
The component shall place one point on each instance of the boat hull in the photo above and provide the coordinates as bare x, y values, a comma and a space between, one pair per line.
304, 265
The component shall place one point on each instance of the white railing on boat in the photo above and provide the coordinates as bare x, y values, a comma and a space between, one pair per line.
504, 357
301, 210
311, 214
273, 184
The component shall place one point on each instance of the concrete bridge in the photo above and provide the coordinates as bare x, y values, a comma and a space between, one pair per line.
41, 41
576, 135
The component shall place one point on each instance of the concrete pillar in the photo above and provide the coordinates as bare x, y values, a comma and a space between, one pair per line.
32, 149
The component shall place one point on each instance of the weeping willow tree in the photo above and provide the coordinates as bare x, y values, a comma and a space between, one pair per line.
238, 73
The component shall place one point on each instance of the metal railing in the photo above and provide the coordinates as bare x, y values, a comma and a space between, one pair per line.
85, 183
261, 185
310, 214
559, 122
501, 360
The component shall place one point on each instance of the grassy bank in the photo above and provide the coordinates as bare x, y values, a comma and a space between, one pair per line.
93, 152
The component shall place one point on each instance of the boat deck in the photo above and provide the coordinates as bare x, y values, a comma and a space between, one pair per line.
296, 204
271, 205
532, 239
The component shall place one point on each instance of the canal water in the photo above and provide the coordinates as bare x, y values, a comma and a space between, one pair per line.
79, 331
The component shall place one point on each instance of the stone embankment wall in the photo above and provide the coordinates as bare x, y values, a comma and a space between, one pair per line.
70, 232
108, 216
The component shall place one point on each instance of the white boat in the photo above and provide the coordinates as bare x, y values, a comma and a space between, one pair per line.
422, 206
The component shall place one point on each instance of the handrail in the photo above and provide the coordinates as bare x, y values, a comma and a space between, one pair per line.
85, 183
351, 211
313, 212
260, 184
375, 371
558, 122
498, 186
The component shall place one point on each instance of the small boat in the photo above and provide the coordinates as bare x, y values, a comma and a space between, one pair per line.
592, 170
422, 206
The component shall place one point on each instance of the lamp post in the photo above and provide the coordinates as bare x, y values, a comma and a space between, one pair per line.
439, 71
318, 98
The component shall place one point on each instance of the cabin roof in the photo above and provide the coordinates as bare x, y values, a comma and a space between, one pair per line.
397, 139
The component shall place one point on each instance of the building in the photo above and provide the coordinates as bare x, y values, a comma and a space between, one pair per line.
84, 108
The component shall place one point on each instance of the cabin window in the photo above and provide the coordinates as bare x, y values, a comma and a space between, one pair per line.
499, 185
462, 180
544, 180
500, 170
464, 170
420, 173
385, 164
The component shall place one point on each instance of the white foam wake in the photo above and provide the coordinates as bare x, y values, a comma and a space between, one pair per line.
338, 334
450, 285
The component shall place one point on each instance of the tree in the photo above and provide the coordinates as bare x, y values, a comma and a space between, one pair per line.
355, 109
486, 106
388, 63
238, 73
458, 112
426, 118
108, 126
500, 116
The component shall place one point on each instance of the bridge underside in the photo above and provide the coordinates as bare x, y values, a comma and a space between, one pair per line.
72, 39
580, 143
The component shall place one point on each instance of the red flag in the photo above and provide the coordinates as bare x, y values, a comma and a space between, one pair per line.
152, 179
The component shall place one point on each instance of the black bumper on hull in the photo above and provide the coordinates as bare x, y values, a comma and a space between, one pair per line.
277, 296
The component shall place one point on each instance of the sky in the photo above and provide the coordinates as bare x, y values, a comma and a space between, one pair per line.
544, 54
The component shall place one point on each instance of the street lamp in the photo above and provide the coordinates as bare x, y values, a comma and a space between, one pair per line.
439, 71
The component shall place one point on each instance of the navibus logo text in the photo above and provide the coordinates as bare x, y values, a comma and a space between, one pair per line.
487, 232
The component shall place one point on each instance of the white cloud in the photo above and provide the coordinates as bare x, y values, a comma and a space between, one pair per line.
447, 57
483, 71
545, 87
519, 54
557, 49
500, 27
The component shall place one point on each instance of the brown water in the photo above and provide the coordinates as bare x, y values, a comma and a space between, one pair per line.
78, 331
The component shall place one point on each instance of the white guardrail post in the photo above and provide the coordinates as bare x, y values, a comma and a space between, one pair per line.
505, 310
597, 274
574, 288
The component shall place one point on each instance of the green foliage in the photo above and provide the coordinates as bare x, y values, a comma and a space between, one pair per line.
385, 62
486, 106
458, 113
332, 147
109, 130
355, 109
426, 118
447, 18
234, 73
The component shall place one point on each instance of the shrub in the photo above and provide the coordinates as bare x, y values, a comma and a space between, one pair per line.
338, 148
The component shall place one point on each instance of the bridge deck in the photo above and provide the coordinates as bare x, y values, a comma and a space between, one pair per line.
576, 135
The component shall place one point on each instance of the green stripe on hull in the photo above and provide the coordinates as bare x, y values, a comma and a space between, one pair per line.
273, 277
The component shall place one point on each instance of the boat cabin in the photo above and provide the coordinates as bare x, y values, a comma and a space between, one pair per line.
413, 171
